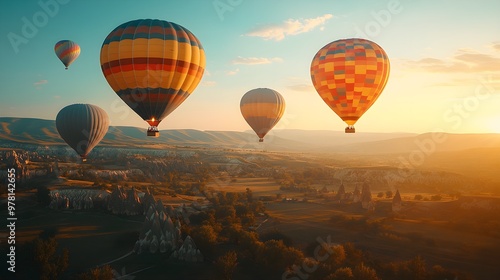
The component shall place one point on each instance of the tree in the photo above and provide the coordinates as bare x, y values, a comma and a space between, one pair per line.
364, 272
380, 194
418, 268
338, 256
353, 255
418, 197
43, 196
332, 258
226, 264
388, 194
276, 257
438, 273
275, 234
50, 265
414, 269
226, 213
436, 197
249, 243
205, 238
248, 220
99, 273
343, 273
249, 195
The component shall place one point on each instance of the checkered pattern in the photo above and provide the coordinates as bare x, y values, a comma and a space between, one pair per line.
349, 75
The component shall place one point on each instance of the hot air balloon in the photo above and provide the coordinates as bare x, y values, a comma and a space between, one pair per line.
67, 51
262, 108
82, 127
349, 75
153, 65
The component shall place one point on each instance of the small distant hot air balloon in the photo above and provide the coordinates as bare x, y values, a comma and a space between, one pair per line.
82, 127
350, 75
153, 65
262, 108
67, 51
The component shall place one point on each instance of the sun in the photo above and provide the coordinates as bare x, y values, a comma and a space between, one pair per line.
494, 124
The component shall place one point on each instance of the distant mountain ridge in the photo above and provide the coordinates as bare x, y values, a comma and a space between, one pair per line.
44, 132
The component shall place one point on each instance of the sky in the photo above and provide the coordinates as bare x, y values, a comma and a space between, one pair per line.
444, 55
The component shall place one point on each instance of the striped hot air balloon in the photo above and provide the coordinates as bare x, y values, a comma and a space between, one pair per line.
153, 65
262, 108
82, 127
350, 75
67, 51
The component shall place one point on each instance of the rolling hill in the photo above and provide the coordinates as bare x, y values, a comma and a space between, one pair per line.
44, 132
473, 155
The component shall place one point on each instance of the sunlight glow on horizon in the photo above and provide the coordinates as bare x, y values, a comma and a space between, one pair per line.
438, 62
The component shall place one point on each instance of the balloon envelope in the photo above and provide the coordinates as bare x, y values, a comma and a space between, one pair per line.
153, 66
262, 108
67, 51
350, 75
82, 126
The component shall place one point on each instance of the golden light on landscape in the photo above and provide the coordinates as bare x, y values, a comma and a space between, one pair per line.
414, 193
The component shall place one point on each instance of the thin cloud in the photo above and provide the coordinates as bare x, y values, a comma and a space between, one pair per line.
485, 83
255, 60
41, 82
496, 46
209, 83
289, 27
233, 72
463, 61
301, 88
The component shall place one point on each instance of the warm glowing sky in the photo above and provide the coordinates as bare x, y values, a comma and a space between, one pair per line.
445, 60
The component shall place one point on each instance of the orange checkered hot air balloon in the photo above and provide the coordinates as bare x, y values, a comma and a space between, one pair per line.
153, 65
349, 75
262, 108
67, 51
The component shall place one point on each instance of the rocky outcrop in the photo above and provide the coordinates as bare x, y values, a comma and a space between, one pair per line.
188, 251
121, 202
396, 202
366, 197
341, 192
78, 199
158, 233
18, 161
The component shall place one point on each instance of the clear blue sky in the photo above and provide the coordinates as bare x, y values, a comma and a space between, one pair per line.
445, 59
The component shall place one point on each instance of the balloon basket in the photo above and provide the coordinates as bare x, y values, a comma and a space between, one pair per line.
350, 130
261, 140
153, 133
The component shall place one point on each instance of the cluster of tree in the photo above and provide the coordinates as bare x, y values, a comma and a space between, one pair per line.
224, 235
436, 197
346, 262
230, 208
388, 194
41, 258
98, 273
298, 188
304, 177
361, 224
